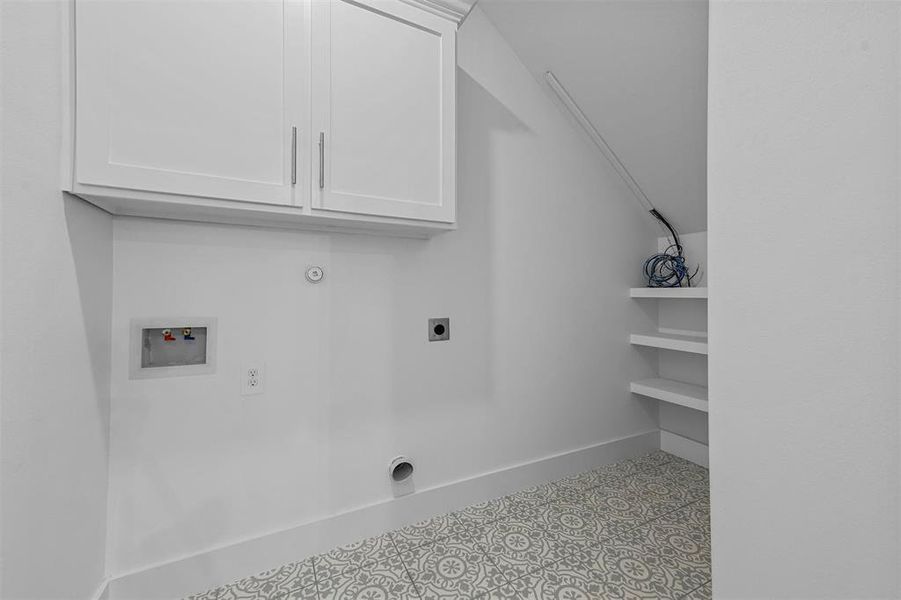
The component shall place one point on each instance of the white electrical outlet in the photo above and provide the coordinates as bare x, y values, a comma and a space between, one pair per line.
252, 380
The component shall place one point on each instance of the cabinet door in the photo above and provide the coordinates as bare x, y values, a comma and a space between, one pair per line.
188, 97
383, 105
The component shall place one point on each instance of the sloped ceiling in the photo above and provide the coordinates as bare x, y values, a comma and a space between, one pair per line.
638, 69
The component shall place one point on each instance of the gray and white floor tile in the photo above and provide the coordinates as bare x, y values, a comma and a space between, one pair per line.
570, 579
657, 560
537, 495
277, 583
478, 515
705, 592
452, 569
427, 531
575, 523
520, 546
347, 559
636, 530
653, 460
386, 579
507, 592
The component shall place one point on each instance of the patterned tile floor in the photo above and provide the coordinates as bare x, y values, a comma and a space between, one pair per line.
639, 529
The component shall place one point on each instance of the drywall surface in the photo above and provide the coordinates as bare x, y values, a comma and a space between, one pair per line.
639, 72
803, 215
54, 332
535, 284
685, 317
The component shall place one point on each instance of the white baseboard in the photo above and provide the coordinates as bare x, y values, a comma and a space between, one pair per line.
218, 566
684, 447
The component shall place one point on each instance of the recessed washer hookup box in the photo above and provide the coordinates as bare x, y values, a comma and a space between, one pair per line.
172, 347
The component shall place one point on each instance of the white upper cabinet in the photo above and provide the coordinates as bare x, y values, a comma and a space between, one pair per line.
213, 110
189, 97
383, 106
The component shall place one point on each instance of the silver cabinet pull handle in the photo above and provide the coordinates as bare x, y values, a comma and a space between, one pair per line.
293, 155
321, 159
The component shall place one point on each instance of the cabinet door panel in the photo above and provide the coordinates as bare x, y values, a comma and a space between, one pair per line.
384, 97
184, 97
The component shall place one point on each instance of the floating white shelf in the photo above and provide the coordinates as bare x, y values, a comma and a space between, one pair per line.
679, 292
681, 343
674, 392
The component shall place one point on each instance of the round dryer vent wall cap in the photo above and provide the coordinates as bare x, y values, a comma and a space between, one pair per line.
400, 469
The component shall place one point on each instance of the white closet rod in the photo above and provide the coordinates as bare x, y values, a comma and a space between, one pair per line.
598, 140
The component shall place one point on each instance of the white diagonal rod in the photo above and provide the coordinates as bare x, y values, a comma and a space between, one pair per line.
599, 141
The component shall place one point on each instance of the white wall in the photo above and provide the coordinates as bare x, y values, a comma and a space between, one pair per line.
638, 69
535, 285
684, 317
803, 216
54, 332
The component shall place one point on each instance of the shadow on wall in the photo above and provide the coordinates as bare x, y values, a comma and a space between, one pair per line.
461, 266
90, 233
92, 254
414, 382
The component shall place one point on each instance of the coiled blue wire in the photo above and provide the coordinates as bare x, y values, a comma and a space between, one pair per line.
667, 268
